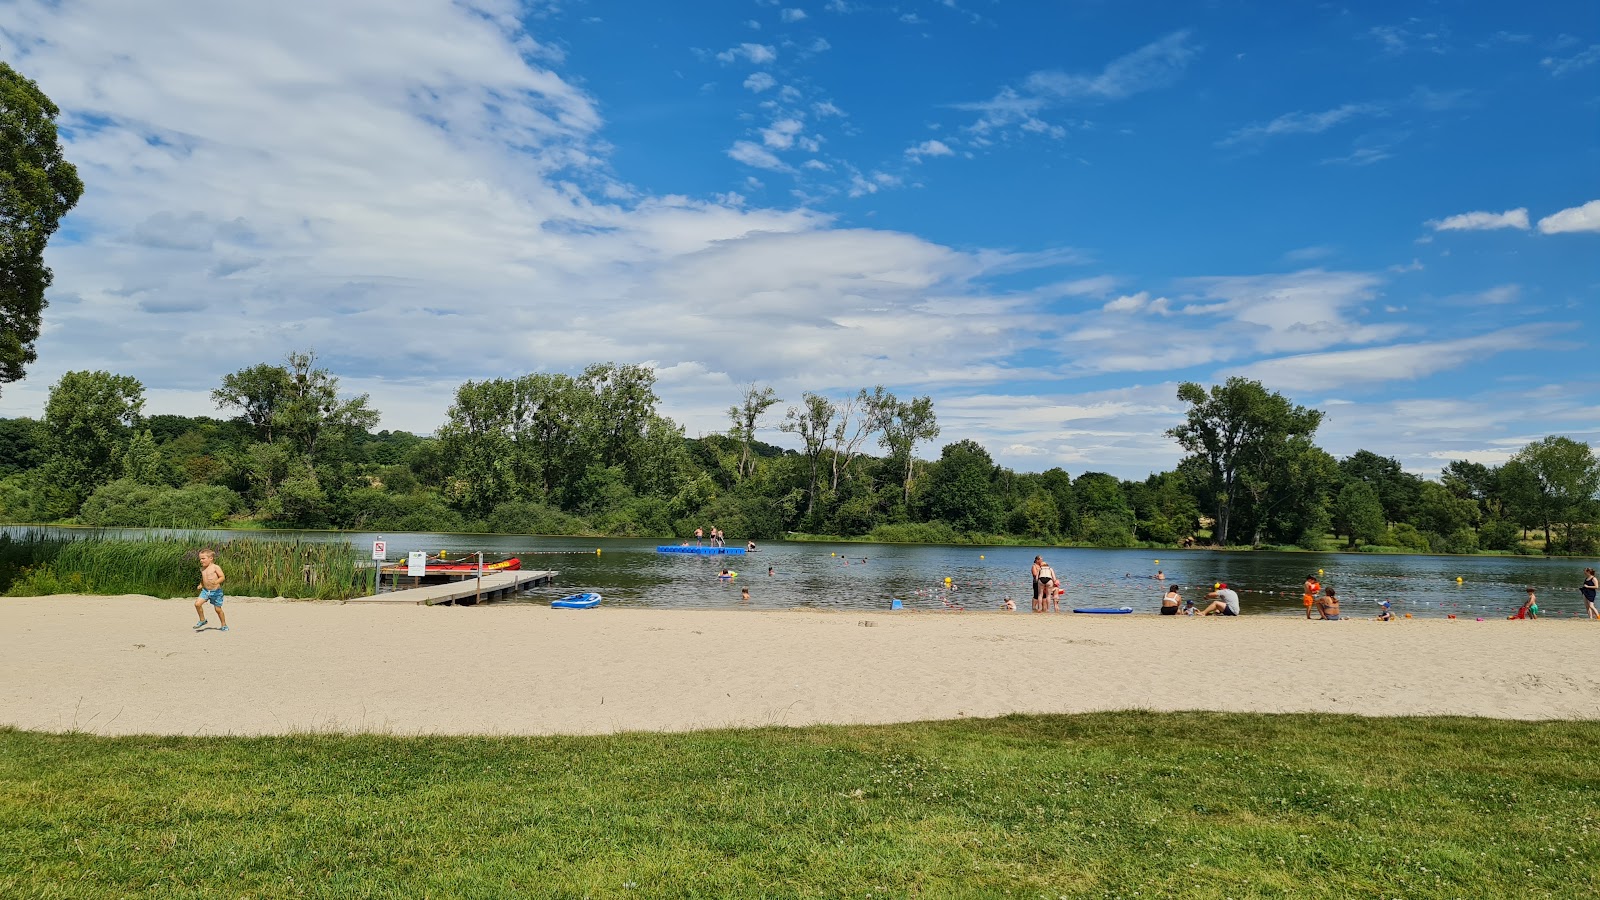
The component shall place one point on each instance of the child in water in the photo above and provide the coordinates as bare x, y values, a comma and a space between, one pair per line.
1529, 609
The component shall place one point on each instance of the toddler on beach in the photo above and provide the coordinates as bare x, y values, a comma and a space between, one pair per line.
211, 579
1529, 609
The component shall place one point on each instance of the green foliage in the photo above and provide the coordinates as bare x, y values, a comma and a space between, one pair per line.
1358, 513
1237, 436
37, 188
1407, 537
1498, 534
130, 503
528, 517
169, 567
88, 421
960, 490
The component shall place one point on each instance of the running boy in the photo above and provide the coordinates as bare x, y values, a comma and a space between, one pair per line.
211, 579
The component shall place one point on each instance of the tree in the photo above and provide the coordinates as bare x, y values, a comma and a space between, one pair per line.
1398, 490
37, 188
960, 491
859, 418
88, 421
746, 417
1358, 514
906, 425
310, 413
813, 422
1566, 476
1237, 429
257, 393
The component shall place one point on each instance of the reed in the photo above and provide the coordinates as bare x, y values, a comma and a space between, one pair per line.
33, 564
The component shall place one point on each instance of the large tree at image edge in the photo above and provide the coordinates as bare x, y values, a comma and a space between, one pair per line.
37, 188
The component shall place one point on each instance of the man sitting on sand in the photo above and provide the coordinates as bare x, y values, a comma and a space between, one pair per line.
1224, 602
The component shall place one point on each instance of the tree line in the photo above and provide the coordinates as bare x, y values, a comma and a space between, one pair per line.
550, 453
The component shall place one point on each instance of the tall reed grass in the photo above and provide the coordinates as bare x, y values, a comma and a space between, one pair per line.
35, 564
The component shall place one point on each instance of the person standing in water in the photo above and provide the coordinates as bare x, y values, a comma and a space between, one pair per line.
1047, 583
1590, 586
1037, 593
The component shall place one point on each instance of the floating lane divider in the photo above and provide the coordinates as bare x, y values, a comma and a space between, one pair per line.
701, 551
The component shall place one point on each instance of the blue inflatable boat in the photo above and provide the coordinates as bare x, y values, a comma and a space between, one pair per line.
577, 601
1105, 610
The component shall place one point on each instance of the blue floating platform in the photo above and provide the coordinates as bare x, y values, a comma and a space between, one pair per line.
701, 551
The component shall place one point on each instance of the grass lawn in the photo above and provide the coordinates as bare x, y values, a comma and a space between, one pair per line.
1104, 805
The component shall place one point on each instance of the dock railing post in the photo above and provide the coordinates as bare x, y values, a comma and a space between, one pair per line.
480, 578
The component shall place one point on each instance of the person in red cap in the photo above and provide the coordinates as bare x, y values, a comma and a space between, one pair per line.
1224, 602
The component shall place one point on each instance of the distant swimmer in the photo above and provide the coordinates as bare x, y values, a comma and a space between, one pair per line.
725, 575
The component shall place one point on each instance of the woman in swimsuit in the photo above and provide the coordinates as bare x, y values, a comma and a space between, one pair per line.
1590, 586
1169, 603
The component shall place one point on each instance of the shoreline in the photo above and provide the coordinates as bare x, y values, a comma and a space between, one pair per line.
133, 665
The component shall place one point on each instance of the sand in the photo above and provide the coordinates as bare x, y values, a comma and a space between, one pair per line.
132, 665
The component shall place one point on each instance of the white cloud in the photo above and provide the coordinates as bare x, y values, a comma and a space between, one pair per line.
752, 154
1301, 123
792, 15
1559, 67
929, 148
1385, 365
1577, 218
758, 54
780, 135
1297, 311
1483, 221
1153, 66
760, 81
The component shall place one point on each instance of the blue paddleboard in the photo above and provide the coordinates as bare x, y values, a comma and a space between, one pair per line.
1105, 610
577, 601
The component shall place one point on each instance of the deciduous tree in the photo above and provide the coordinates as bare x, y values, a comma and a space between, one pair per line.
37, 188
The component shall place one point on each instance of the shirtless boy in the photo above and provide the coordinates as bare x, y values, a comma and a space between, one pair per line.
211, 579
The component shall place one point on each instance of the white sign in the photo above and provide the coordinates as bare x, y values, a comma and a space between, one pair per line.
416, 563
380, 550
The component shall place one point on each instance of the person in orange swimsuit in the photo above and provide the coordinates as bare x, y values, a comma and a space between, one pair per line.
1310, 599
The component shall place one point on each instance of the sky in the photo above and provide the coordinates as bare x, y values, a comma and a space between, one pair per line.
1045, 216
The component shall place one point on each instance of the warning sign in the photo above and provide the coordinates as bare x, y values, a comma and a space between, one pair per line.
380, 550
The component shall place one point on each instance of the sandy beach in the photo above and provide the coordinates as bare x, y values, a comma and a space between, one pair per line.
132, 665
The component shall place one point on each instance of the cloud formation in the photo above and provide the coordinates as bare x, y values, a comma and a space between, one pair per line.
1483, 221
1577, 218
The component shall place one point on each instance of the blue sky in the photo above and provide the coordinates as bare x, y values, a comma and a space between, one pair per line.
1045, 216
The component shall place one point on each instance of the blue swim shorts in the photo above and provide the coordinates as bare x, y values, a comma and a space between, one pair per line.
212, 596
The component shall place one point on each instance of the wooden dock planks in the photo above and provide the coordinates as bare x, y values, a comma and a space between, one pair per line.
494, 584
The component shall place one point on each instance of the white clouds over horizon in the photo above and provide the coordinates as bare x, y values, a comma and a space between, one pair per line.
420, 195
1483, 221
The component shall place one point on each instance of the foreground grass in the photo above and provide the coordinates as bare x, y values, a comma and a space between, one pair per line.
1105, 805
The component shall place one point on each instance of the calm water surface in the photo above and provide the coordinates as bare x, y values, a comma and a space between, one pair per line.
833, 576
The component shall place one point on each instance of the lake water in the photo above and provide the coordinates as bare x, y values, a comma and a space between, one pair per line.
833, 576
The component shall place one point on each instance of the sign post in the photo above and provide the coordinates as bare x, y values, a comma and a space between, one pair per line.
380, 551
416, 564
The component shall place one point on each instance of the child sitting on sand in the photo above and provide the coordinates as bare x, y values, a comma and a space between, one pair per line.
1384, 615
1009, 604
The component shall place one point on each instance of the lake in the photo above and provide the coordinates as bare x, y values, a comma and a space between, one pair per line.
631, 573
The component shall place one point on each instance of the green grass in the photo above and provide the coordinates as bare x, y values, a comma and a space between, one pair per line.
1105, 805
34, 563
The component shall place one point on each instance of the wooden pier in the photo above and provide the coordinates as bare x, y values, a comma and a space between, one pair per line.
464, 592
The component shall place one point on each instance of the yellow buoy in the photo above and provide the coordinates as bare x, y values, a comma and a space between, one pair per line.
1158, 562
833, 554
1458, 579
597, 551
980, 556
1319, 571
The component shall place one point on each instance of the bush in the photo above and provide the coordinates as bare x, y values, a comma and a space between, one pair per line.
1462, 540
1579, 540
916, 533
527, 517
1407, 537
1498, 534
126, 503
